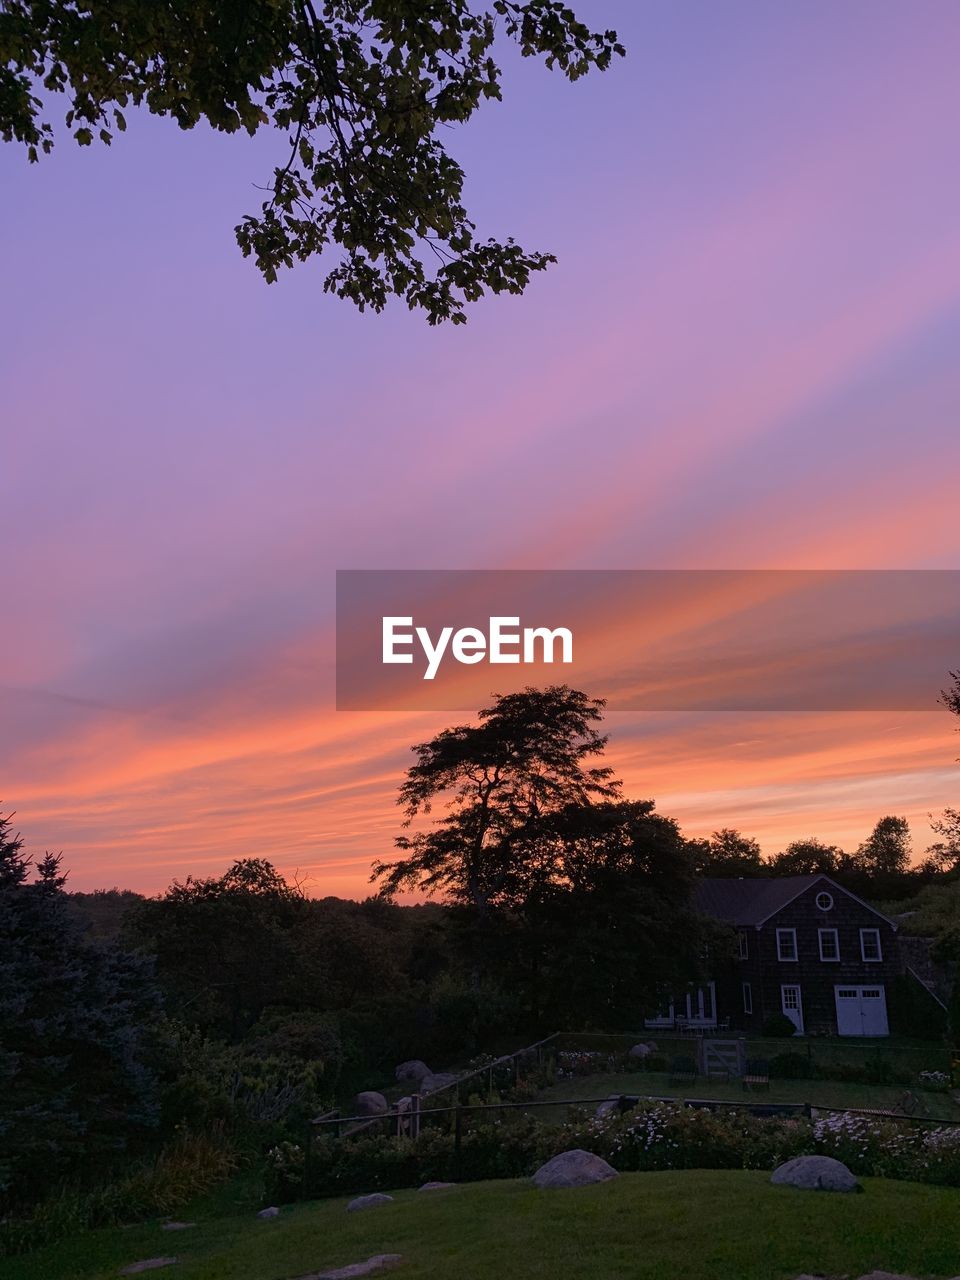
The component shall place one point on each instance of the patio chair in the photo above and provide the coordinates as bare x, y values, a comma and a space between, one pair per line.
757, 1075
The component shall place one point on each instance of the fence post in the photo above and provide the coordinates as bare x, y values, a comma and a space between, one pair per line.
457, 1140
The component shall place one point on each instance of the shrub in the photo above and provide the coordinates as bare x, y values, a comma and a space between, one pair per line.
793, 1066
185, 1168
873, 1071
778, 1027
937, 1081
583, 1062
653, 1136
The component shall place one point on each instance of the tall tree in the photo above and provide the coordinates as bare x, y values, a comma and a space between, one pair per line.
608, 917
527, 760
224, 945
728, 853
363, 89
944, 854
75, 1028
806, 858
886, 851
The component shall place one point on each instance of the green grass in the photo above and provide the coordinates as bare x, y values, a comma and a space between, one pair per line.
647, 1226
823, 1093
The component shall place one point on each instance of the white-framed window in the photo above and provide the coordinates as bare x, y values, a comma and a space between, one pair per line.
747, 998
824, 901
786, 944
744, 945
829, 945
870, 948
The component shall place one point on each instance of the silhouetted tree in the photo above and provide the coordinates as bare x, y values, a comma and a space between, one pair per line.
886, 851
727, 853
806, 858
607, 918
943, 857
75, 1019
503, 780
363, 89
223, 944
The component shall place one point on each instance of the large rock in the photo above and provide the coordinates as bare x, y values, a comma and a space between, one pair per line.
372, 1201
640, 1051
437, 1186
437, 1080
413, 1070
608, 1106
573, 1169
371, 1104
815, 1173
272, 1212
148, 1264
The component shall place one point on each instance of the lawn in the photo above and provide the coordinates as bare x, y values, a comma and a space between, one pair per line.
646, 1226
824, 1093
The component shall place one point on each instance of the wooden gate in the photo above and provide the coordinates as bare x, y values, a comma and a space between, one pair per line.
723, 1059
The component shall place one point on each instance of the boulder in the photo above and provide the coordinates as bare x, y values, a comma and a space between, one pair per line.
372, 1201
608, 1106
272, 1212
413, 1070
815, 1173
573, 1169
437, 1080
436, 1186
370, 1103
640, 1051
177, 1226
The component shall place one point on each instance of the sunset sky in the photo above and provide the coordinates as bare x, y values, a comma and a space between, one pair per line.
746, 357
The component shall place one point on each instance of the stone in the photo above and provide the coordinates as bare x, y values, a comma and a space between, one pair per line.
370, 1103
372, 1201
640, 1051
272, 1212
573, 1169
815, 1173
413, 1070
148, 1264
379, 1262
608, 1106
176, 1226
437, 1080
436, 1186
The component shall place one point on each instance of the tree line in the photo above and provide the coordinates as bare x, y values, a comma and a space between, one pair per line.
235, 999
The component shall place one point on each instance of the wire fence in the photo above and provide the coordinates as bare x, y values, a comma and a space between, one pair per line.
453, 1117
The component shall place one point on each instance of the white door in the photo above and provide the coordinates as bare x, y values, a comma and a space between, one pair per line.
792, 1005
862, 1011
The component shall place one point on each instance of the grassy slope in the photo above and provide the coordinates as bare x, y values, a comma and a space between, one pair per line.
648, 1226
824, 1093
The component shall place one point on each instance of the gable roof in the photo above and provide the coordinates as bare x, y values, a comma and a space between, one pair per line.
753, 900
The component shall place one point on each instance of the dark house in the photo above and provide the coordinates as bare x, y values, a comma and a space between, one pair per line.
806, 947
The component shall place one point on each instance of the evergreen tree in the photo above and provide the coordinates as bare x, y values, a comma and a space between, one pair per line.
75, 1019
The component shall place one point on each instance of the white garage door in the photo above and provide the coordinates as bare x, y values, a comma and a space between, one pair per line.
862, 1011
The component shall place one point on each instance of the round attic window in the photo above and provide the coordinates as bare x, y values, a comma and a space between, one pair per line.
824, 902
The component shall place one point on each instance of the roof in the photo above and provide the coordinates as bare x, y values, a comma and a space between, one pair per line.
753, 900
